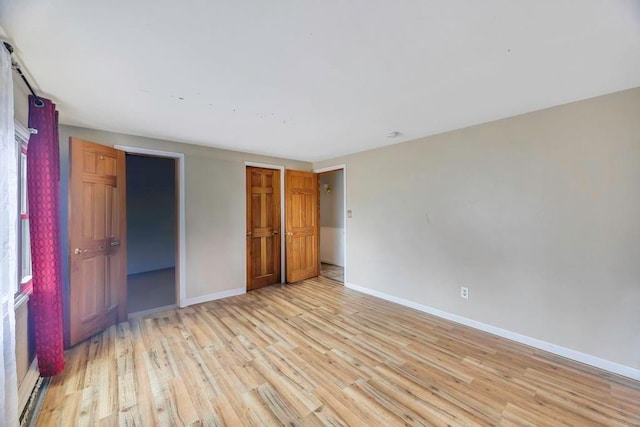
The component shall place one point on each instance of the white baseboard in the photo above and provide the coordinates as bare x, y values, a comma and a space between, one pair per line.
214, 296
331, 261
578, 356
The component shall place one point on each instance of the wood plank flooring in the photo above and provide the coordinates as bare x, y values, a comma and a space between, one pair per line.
316, 353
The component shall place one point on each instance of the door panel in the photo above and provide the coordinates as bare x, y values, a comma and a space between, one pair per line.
302, 225
263, 227
97, 239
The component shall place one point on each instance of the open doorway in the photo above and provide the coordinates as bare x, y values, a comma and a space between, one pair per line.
332, 232
151, 233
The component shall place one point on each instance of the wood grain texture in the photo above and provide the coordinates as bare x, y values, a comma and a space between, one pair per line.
316, 353
302, 222
97, 240
263, 227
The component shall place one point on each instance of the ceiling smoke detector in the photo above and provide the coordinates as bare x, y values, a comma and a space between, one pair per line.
394, 134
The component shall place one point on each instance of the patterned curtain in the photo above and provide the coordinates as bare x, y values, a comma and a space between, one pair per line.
43, 173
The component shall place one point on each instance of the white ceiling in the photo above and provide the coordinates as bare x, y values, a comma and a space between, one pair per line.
312, 80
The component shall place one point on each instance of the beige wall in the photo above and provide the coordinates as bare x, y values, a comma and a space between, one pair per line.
23, 359
539, 215
215, 206
20, 100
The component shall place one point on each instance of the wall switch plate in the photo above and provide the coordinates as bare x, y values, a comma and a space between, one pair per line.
349, 213
464, 292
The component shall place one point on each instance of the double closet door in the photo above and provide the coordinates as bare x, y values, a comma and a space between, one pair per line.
264, 238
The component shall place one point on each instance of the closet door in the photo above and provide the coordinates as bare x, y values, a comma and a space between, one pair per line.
302, 202
263, 227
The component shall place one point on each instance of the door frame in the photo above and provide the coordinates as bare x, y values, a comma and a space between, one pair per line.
181, 291
282, 213
342, 166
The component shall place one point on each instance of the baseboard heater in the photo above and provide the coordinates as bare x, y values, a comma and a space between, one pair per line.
30, 394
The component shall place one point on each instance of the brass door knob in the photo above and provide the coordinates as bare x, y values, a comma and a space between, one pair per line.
79, 251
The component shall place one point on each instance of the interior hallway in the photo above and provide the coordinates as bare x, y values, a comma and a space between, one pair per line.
152, 289
333, 272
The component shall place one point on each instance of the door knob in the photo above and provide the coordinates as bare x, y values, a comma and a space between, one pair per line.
115, 243
249, 234
79, 251
275, 231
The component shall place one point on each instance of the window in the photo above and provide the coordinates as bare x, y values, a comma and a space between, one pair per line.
24, 243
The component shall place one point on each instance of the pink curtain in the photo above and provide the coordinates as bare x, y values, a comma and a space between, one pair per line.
43, 173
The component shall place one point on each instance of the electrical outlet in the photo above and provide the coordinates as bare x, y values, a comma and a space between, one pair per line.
464, 292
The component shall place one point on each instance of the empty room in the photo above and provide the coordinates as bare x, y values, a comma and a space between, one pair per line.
336, 213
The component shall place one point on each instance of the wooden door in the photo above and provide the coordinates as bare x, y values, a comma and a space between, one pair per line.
302, 224
97, 239
263, 227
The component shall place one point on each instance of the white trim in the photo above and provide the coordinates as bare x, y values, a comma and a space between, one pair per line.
342, 166
578, 356
263, 165
282, 242
215, 296
149, 151
330, 168
20, 299
181, 292
22, 132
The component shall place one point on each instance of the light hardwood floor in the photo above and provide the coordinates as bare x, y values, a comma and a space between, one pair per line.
315, 353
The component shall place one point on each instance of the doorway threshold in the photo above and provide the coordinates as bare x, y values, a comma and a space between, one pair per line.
151, 311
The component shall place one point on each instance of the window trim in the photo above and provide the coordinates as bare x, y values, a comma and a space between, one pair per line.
22, 132
25, 283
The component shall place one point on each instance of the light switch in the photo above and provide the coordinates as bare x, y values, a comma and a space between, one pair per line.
349, 213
